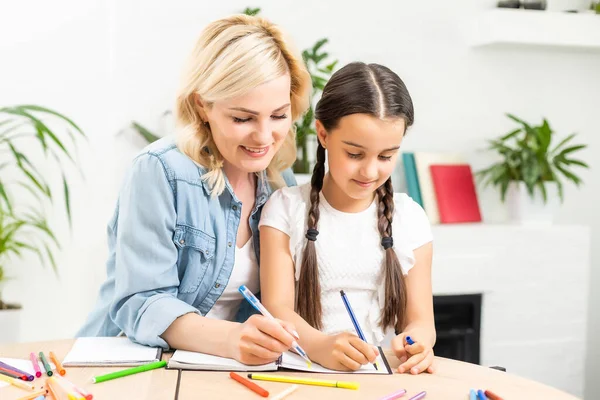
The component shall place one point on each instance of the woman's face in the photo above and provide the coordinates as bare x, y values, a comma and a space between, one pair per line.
249, 130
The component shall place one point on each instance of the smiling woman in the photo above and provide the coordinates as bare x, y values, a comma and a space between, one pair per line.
184, 235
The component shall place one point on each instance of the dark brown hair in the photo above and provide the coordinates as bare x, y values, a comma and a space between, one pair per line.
377, 91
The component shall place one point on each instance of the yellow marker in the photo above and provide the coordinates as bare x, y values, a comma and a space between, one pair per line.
305, 381
17, 382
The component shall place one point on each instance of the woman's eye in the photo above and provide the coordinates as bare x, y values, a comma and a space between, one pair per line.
240, 120
353, 155
385, 158
283, 116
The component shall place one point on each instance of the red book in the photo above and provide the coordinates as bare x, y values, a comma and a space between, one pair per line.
455, 193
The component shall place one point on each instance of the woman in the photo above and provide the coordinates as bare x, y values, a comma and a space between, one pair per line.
184, 235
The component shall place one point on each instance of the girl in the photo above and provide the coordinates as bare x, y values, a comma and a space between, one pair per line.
184, 235
346, 230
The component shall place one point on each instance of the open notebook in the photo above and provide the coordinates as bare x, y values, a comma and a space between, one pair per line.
109, 352
198, 361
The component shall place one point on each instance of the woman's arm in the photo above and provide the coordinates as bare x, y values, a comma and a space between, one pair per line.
145, 303
420, 323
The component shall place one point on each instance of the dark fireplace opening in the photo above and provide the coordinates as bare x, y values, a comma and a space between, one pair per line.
458, 323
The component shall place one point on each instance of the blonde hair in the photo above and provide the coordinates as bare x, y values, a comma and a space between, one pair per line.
232, 56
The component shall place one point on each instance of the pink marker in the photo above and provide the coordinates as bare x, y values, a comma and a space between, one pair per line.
36, 366
394, 395
419, 396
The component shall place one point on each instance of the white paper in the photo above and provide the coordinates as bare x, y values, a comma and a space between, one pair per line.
107, 351
192, 360
294, 361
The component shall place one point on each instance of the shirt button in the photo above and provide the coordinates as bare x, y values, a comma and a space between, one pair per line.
206, 252
217, 285
234, 208
229, 244
182, 241
254, 217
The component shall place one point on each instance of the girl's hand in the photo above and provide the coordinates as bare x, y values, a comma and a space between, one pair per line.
260, 340
344, 352
415, 358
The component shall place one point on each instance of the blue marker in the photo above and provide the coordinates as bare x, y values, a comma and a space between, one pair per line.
248, 295
409, 340
481, 395
359, 331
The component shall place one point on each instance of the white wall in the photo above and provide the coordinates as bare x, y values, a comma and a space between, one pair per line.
105, 63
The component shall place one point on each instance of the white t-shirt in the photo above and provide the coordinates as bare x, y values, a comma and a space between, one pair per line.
245, 272
349, 253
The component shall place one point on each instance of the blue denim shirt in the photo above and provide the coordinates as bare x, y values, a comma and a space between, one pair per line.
171, 246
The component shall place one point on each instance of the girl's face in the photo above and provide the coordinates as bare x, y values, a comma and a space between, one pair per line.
361, 153
249, 130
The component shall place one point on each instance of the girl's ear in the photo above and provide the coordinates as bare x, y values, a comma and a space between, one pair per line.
321, 133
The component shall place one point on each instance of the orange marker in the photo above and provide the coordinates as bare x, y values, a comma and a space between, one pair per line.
249, 384
59, 366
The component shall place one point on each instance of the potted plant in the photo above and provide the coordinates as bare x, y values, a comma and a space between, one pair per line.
25, 192
530, 171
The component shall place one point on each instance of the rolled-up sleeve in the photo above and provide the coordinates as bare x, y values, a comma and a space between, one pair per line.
146, 276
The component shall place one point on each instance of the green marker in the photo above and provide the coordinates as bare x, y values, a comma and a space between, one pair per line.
130, 371
46, 365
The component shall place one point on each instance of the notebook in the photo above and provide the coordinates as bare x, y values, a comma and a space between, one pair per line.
291, 361
109, 352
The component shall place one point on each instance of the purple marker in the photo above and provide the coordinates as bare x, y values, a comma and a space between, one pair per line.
10, 367
418, 396
394, 395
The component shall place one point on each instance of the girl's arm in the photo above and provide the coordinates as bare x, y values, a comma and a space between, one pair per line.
342, 352
420, 325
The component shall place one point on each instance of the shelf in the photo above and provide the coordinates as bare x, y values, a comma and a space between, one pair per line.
510, 27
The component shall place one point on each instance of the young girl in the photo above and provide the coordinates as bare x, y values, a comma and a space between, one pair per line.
346, 230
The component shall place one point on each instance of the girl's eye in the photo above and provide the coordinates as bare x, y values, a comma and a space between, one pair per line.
352, 155
385, 158
283, 116
240, 120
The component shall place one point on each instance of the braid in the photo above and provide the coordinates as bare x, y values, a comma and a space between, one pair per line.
395, 286
309, 289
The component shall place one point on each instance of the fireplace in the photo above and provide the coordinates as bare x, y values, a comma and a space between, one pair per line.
458, 323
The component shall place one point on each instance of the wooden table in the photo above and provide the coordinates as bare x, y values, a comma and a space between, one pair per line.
159, 384
452, 380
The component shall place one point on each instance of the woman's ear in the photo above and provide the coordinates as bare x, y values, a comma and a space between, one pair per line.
200, 107
321, 133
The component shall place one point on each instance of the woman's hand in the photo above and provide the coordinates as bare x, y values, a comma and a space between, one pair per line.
260, 340
416, 358
344, 352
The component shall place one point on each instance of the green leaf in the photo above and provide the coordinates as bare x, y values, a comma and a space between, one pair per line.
569, 161
251, 11
57, 114
574, 178
319, 44
510, 135
563, 142
146, 134
67, 199
4, 196
331, 66
572, 149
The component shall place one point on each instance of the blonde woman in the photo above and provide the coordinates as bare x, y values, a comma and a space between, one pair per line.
184, 235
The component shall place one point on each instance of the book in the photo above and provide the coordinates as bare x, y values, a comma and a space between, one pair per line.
109, 352
422, 161
411, 177
455, 193
189, 360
